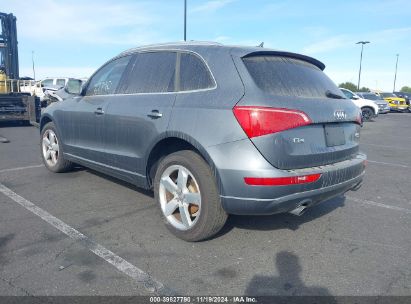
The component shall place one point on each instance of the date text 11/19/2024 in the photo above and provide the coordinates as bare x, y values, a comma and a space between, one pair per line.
202, 299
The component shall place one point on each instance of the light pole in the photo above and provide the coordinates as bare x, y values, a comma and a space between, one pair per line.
185, 20
32, 61
359, 73
395, 77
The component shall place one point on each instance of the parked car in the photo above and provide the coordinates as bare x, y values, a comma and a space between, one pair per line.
210, 131
397, 104
383, 106
405, 95
59, 93
368, 108
52, 83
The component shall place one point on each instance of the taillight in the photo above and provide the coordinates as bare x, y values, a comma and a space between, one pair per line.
258, 121
281, 181
358, 119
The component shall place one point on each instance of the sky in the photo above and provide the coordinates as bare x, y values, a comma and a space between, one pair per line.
74, 37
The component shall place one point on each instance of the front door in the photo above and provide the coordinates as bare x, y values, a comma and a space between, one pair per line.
85, 133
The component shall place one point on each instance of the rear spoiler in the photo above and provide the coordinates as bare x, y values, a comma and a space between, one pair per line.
308, 59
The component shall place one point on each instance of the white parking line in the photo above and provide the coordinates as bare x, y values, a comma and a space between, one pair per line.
138, 275
358, 200
388, 164
20, 168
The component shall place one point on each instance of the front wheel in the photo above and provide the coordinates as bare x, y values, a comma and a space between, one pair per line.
188, 197
51, 150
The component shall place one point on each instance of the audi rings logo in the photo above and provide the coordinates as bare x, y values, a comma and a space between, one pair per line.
340, 115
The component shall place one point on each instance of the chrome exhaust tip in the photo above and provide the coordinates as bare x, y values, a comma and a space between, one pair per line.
302, 207
356, 187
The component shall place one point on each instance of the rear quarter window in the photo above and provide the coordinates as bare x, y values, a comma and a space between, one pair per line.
288, 76
194, 74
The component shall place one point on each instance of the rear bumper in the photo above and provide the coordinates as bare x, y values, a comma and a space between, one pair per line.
240, 159
255, 206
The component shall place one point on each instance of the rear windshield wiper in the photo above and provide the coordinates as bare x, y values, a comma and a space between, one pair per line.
330, 94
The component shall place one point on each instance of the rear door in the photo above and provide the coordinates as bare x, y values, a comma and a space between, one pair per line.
85, 132
141, 111
322, 126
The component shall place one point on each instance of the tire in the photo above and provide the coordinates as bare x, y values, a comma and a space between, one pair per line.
52, 153
195, 195
367, 114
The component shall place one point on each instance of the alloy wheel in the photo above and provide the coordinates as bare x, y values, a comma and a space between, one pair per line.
180, 197
367, 114
50, 147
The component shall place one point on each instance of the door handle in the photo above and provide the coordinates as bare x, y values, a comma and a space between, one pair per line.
155, 114
99, 111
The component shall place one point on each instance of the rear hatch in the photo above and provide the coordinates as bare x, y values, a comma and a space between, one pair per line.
293, 113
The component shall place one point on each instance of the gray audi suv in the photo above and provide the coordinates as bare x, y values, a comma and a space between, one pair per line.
212, 130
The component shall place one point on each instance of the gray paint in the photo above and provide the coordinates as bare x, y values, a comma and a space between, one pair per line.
119, 141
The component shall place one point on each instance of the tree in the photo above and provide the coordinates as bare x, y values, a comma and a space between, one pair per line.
348, 85
406, 89
364, 89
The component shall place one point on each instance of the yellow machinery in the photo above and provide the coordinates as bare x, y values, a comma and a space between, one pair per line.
14, 105
3, 85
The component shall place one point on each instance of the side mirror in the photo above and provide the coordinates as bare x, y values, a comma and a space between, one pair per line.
355, 97
73, 86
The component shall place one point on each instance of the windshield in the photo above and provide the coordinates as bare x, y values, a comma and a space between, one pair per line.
289, 77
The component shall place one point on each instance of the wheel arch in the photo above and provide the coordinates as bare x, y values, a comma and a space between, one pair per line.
369, 107
171, 143
45, 119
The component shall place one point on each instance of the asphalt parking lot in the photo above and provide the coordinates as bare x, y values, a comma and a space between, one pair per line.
357, 245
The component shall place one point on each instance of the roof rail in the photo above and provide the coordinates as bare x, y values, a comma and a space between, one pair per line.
177, 43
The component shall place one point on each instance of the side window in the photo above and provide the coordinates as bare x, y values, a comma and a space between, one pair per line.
194, 75
106, 80
151, 72
61, 82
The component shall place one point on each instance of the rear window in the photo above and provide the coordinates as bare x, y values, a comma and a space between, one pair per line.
289, 77
47, 82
